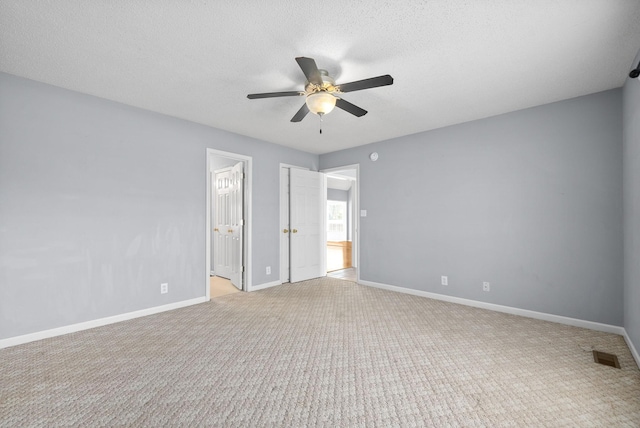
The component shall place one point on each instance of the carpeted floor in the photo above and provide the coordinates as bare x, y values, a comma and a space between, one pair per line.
322, 353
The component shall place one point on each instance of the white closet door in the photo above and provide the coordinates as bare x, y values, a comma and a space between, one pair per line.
307, 224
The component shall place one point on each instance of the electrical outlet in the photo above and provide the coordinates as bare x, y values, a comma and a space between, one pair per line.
164, 288
268, 270
486, 286
444, 280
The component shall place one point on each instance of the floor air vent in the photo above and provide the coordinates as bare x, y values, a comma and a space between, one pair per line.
606, 359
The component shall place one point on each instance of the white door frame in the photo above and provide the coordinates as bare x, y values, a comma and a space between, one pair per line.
356, 209
248, 171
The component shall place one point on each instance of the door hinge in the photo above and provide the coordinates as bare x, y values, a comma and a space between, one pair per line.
242, 269
242, 222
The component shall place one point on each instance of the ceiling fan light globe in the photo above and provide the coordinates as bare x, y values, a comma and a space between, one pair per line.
321, 102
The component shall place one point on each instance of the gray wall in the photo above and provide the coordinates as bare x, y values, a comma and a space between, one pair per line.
631, 137
337, 195
101, 202
530, 201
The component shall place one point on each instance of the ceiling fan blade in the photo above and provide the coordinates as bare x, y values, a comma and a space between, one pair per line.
350, 108
310, 69
275, 94
372, 82
304, 110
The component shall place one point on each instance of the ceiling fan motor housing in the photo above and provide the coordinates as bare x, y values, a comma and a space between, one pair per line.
328, 84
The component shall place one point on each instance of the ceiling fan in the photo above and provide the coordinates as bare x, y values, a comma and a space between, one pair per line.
321, 92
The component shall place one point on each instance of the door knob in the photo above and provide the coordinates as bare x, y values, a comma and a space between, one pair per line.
295, 230
285, 231
215, 229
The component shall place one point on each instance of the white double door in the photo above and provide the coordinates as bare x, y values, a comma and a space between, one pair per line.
228, 223
303, 239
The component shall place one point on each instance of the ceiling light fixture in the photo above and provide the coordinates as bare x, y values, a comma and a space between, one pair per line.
635, 72
322, 94
320, 102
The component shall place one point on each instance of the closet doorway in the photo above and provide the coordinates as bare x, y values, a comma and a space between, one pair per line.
313, 259
228, 201
228, 220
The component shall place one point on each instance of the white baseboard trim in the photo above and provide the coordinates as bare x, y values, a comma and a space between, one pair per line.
506, 309
265, 285
632, 348
32, 337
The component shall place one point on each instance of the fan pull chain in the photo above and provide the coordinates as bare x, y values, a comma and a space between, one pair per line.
320, 123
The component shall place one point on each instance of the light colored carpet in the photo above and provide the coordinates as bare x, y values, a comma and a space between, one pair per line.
322, 353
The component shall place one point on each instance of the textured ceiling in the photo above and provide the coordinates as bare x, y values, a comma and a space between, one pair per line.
452, 61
